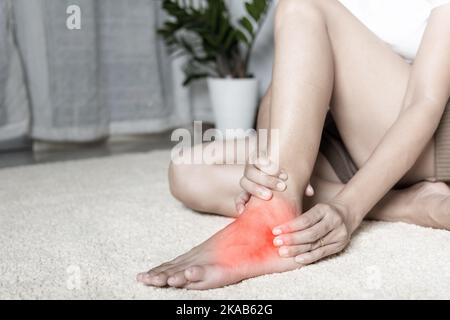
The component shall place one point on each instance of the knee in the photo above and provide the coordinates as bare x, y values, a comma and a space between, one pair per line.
301, 10
180, 184
177, 177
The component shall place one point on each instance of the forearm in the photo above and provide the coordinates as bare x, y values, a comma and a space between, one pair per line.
394, 156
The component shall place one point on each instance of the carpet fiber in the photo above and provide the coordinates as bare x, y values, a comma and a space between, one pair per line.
83, 229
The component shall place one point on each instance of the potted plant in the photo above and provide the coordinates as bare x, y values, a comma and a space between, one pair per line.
218, 50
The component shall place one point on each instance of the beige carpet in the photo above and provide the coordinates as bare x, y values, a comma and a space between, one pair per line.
83, 229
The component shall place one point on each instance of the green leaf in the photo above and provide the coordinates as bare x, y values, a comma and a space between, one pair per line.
224, 28
242, 37
252, 10
261, 5
212, 16
247, 25
230, 40
203, 31
210, 40
191, 77
256, 8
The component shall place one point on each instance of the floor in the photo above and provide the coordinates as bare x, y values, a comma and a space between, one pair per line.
45, 152
83, 229
42, 152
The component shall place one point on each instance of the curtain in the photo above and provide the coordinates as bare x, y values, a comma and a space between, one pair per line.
112, 76
14, 105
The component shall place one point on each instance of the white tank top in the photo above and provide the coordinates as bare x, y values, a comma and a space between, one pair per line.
400, 23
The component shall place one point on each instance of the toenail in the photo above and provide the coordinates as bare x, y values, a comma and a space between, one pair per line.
277, 242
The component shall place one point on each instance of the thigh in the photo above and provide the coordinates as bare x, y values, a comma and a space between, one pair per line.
214, 188
370, 83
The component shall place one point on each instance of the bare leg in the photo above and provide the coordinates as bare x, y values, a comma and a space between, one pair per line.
424, 203
301, 91
304, 80
213, 195
222, 179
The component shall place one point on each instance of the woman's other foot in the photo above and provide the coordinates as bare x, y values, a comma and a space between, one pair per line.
425, 203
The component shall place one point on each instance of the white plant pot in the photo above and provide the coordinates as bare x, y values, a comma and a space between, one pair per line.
234, 102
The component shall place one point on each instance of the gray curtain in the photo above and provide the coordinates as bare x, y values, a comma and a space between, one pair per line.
110, 77
14, 105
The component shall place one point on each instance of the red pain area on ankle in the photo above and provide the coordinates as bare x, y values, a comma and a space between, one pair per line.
250, 239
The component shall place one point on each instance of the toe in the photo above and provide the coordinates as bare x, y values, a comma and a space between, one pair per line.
160, 268
159, 280
156, 280
140, 276
208, 277
177, 280
195, 273
147, 277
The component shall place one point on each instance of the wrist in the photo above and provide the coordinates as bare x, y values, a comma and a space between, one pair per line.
351, 218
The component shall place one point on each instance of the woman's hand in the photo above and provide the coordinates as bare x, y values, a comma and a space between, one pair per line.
321, 231
260, 179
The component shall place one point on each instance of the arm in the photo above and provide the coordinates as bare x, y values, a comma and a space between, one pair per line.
425, 100
325, 229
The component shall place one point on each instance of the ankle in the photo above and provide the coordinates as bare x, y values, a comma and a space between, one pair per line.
293, 200
293, 193
273, 212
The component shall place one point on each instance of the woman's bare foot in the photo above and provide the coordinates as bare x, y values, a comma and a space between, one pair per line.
242, 250
426, 204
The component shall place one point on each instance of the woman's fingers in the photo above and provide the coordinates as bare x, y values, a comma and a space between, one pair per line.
255, 189
306, 220
259, 177
268, 174
318, 233
276, 183
241, 200
309, 192
268, 167
293, 251
319, 253
309, 235
283, 175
